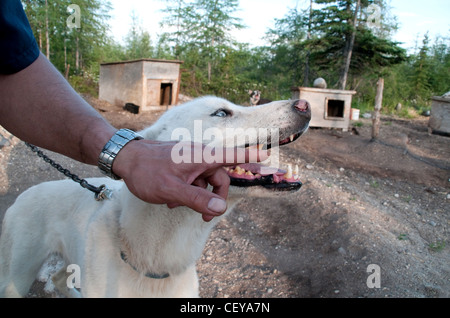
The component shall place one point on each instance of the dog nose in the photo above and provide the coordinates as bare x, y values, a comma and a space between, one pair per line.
302, 106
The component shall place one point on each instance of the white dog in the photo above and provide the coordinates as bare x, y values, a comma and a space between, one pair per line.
125, 247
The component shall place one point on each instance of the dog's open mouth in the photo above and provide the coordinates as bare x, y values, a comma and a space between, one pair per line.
254, 174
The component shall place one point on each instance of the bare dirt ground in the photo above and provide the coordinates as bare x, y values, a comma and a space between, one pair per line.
363, 203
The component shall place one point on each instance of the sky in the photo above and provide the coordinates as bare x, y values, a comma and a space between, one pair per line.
415, 18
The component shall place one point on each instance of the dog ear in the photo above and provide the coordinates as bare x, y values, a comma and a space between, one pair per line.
250, 91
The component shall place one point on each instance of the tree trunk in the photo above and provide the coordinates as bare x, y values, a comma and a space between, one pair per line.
209, 72
66, 73
349, 50
65, 58
77, 55
378, 105
308, 52
210, 61
46, 31
40, 39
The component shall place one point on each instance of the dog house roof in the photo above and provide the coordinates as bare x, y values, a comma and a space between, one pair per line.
144, 60
323, 90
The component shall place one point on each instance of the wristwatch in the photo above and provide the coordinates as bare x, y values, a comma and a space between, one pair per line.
112, 148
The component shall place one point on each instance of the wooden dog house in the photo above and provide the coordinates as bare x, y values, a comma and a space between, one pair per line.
147, 83
439, 122
330, 108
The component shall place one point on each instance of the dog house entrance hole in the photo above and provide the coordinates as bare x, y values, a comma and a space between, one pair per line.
334, 108
166, 94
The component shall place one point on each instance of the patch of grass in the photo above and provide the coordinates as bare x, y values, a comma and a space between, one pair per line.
408, 113
364, 107
402, 237
84, 84
436, 246
409, 110
375, 184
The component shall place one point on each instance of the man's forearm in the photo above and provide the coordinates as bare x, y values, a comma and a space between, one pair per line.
39, 106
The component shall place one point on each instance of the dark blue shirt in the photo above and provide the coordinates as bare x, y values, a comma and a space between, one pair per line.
18, 47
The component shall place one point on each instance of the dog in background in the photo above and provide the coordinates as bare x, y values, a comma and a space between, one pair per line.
255, 98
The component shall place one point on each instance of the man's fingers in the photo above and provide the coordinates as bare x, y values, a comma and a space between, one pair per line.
220, 181
201, 200
200, 183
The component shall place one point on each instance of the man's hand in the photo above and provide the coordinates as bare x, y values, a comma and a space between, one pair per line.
150, 174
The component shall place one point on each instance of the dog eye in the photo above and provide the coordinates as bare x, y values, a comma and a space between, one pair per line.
221, 113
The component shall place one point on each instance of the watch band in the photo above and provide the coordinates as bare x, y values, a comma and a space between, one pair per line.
112, 148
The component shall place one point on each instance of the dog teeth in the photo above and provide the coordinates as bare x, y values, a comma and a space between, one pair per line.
258, 146
288, 174
296, 171
291, 138
239, 170
291, 173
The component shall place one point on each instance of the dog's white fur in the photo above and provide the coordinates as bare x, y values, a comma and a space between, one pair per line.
61, 217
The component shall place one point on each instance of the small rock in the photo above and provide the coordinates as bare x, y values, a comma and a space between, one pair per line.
396, 195
4, 142
309, 167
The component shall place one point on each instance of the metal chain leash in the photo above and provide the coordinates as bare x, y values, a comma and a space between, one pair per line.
101, 192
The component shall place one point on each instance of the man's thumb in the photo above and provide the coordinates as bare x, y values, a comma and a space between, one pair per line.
202, 201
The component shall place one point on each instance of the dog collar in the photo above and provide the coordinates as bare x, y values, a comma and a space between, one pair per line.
148, 274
